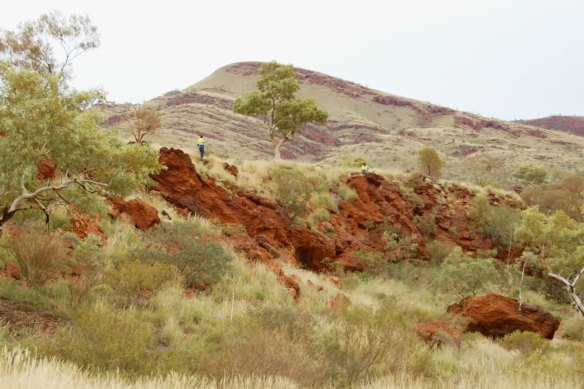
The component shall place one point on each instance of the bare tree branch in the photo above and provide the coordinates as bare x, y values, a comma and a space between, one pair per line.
85, 184
571, 287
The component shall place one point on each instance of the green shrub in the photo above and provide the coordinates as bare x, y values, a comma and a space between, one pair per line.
464, 275
320, 215
135, 278
23, 296
347, 193
364, 343
323, 199
498, 223
414, 200
531, 175
526, 342
293, 189
401, 247
426, 224
375, 263
439, 250
180, 244
354, 162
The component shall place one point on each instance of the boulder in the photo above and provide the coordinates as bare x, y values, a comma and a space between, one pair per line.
496, 316
438, 333
143, 215
83, 225
231, 169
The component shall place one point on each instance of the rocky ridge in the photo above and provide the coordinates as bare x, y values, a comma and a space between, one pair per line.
382, 222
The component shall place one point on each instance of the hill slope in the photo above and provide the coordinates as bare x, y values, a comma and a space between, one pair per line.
387, 129
571, 124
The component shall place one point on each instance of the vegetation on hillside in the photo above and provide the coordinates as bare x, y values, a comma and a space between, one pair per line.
180, 306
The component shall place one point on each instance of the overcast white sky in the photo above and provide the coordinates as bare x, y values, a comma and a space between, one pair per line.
509, 59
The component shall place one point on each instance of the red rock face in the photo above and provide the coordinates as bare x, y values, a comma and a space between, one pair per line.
143, 215
360, 226
572, 124
494, 315
267, 225
190, 98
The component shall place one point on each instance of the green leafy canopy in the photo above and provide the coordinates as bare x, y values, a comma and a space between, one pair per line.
274, 103
42, 118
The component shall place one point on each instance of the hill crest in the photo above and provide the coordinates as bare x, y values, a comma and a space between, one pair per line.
387, 129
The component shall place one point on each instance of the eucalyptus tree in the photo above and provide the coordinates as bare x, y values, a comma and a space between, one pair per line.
274, 103
43, 118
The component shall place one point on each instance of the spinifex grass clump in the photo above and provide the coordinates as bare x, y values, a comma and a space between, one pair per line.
38, 254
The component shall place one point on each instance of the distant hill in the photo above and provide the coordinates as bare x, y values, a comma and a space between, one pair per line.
386, 129
571, 124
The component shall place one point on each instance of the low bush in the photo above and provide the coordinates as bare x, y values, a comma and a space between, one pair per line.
573, 328
293, 189
105, 340
439, 250
180, 244
136, 278
364, 343
38, 254
462, 274
319, 215
346, 193
525, 342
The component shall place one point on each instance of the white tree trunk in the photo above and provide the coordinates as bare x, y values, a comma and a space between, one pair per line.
571, 287
277, 147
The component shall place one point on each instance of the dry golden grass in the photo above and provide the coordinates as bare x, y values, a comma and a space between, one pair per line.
19, 369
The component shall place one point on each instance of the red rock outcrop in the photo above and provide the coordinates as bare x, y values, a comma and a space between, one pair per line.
264, 221
438, 333
197, 98
480, 124
83, 225
143, 215
361, 225
494, 315
571, 124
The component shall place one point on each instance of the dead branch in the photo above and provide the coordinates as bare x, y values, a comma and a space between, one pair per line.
571, 288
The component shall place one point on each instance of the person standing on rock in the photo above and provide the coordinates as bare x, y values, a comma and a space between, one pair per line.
364, 168
201, 145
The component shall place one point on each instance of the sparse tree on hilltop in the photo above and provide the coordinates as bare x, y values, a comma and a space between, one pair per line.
430, 162
274, 103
